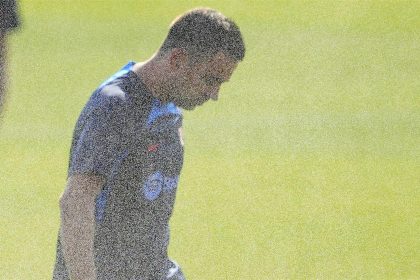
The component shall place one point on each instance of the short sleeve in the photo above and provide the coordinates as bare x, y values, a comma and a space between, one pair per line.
99, 142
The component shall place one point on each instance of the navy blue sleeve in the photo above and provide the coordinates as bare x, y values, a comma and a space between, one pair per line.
100, 138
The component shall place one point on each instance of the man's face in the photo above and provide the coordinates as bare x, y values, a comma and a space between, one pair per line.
200, 81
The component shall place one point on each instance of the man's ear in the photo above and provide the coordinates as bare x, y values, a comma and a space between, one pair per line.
178, 58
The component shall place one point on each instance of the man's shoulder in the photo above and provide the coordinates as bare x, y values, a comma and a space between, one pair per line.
109, 99
110, 96
122, 90
121, 100
117, 104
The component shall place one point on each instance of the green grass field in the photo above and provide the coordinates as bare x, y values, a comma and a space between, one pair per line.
306, 168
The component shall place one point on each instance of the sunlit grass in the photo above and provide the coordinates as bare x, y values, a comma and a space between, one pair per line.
306, 168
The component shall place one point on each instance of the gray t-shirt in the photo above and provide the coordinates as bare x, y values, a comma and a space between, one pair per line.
133, 140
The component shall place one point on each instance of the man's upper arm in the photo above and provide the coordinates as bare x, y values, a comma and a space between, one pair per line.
82, 188
77, 230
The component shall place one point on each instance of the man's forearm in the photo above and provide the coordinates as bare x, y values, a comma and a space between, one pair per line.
77, 237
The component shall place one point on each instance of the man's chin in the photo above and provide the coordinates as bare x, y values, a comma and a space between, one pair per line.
189, 105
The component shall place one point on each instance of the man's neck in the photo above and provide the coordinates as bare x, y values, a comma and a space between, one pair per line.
151, 77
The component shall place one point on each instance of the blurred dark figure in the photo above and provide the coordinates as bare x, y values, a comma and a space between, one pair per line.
9, 20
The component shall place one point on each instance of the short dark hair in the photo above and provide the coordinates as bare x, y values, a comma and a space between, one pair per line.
203, 32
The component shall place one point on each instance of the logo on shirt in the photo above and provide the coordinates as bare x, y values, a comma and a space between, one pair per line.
153, 148
156, 183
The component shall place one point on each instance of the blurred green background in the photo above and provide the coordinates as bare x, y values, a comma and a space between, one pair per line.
306, 168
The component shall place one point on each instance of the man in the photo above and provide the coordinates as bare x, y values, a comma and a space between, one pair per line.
8, 21
127, 153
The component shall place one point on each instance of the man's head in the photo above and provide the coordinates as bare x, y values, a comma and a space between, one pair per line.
203, 48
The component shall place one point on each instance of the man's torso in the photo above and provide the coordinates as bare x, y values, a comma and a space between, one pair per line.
138, 149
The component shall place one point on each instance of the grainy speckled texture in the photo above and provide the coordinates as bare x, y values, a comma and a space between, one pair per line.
307, 167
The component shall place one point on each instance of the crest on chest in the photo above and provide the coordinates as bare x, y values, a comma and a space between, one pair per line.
157, 183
